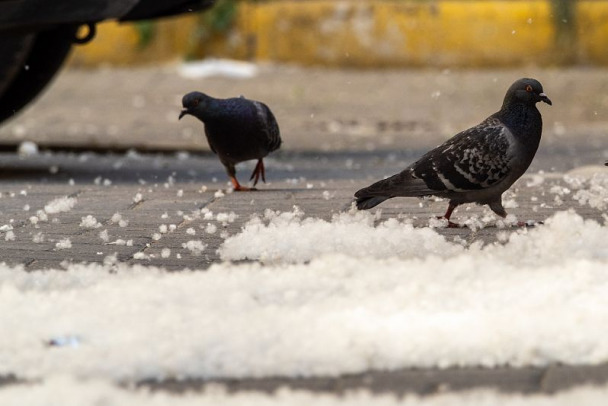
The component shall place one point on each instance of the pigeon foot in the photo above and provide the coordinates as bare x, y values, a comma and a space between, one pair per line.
245, 189
258, 172
448, 214
529, 223
238, 188
451, 224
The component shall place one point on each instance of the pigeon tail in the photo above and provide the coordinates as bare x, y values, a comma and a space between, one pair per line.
368, 202
401, 184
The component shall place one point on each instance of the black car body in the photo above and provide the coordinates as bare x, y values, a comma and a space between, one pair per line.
37, 35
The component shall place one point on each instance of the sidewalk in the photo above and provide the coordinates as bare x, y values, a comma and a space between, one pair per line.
163, 191
318, 110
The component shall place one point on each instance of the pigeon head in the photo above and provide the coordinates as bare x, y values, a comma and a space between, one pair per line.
527, 91
194, 103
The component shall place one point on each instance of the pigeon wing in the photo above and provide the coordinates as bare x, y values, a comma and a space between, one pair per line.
474, 159
209, 136
269, 126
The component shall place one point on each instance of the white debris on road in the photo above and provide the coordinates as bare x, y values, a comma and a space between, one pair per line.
196, 247
590, 190
63, 244
430, 303
290, 237
60, 205
27, 149
89, 222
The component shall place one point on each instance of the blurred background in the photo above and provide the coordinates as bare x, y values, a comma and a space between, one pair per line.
365, 34
347, 74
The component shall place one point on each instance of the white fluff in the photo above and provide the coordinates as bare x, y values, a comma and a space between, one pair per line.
342, 312
89, 222
60, 205
27, 149
290, 237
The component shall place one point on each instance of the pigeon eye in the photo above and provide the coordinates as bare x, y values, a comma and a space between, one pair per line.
195, 102
528, 88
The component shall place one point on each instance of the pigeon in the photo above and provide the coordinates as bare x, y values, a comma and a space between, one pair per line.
237, 129
476, 165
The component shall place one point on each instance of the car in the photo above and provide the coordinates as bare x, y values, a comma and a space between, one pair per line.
36, 37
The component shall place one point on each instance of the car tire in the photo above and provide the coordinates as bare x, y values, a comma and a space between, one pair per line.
13, 52
28, 63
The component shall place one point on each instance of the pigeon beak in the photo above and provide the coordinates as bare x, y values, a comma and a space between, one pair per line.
183, 113
543, 97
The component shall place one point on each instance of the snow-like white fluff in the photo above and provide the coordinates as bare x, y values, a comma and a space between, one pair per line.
89, 222
60, 205
63, 244
27, 149
290, 237
592, 190
67, 391
196, 247
117, 218
536, 300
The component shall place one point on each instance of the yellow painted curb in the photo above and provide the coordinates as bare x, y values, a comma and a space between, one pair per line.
367, 34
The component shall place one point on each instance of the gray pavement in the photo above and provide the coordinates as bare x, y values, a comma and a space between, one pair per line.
342, 130
173, 189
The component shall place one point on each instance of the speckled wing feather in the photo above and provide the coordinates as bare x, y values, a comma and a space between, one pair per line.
269, 125
474, 159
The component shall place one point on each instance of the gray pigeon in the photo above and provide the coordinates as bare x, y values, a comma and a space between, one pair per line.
476, 165
237, 130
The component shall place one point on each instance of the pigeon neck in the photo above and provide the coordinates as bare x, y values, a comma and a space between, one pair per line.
211, 109
523, 119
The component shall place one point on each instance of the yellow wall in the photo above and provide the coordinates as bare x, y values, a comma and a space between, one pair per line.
592, 31
390, 33
367, 33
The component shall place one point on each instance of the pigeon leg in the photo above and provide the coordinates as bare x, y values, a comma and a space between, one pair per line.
496, 207
448, 214
237, 186
257, 172
235, 183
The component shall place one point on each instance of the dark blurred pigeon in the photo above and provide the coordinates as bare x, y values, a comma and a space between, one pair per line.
476, 165
237, 130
